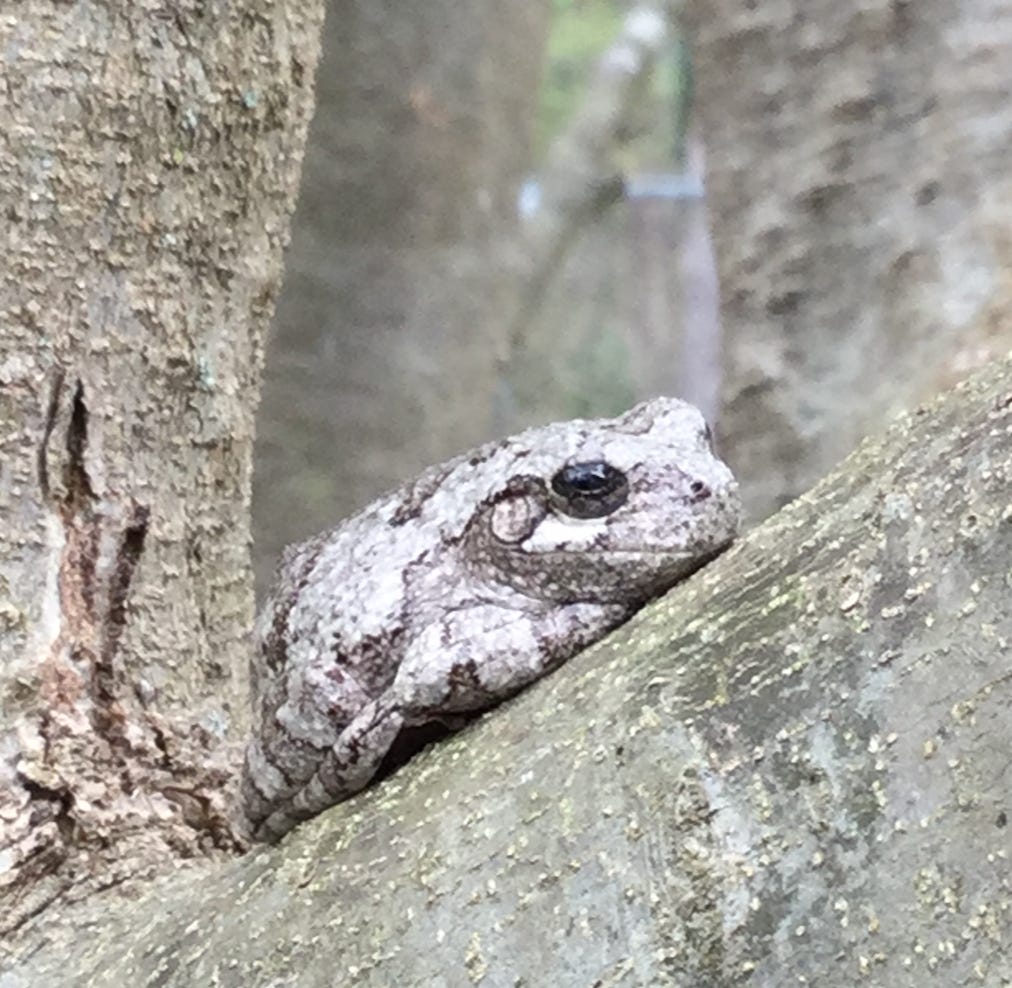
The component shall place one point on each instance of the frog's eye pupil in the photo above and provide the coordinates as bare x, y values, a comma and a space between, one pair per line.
589, 490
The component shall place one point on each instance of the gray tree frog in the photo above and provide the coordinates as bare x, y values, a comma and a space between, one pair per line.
455, 591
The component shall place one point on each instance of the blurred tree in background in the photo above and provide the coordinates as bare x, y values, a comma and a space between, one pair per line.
383, 356
862, 201
449, 279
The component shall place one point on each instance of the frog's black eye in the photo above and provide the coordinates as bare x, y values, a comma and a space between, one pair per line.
589, 490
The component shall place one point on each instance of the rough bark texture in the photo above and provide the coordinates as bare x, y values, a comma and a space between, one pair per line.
383, 356
862, 202
148, 166
792, 770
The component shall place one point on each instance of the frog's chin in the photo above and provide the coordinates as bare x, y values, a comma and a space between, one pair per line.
641, 576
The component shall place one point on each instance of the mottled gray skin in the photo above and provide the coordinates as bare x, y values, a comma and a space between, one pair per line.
450, 594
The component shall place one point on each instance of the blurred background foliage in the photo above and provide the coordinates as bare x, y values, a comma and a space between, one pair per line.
580, 30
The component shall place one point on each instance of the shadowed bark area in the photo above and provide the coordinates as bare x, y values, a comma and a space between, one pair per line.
792, 769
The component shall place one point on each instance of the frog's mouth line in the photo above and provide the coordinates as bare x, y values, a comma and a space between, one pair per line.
646, 551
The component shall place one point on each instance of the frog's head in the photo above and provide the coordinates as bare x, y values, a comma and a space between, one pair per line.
610, 510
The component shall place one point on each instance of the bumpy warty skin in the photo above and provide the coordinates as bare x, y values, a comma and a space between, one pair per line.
453, 592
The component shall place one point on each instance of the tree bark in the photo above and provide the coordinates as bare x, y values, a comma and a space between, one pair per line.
148, 165
859, 179
791, 770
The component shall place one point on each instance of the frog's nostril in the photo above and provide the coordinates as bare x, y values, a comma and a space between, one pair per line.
699, 490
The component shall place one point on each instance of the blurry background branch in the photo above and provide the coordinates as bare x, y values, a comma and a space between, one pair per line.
619, 297
587, 165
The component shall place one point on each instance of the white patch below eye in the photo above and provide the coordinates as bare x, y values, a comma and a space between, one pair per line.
558, 530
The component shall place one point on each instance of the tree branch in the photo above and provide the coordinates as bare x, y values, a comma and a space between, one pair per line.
792, 769
583, 176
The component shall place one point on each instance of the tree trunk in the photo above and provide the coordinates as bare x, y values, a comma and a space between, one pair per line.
791, 770
148, 166
384, 352
862, 201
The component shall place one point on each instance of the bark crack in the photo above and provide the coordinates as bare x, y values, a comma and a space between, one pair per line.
103, 545
76, 480
51, 416
128, 554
